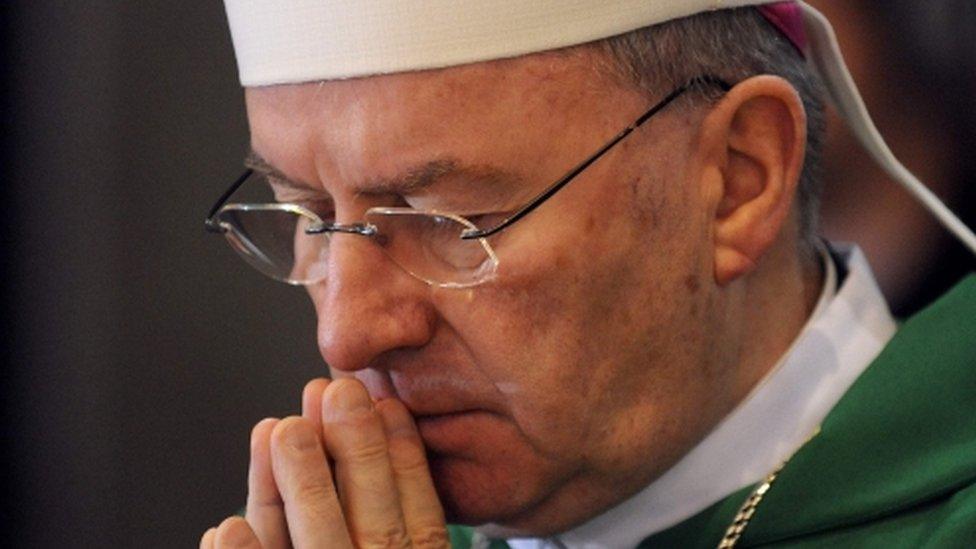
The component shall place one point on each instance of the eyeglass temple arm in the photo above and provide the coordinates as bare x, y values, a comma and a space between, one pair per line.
210, 223
564, 180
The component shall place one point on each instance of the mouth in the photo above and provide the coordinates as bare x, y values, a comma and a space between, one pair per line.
437, 418
456, 432
453, 413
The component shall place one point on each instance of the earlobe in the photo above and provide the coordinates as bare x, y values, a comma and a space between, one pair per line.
730, 264
755, 140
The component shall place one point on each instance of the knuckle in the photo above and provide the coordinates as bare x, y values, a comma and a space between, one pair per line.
265, 501
408, 459
412, 469
430, 537
368, 452
313, 492
391, 538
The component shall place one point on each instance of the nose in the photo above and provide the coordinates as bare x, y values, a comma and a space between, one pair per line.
366, 306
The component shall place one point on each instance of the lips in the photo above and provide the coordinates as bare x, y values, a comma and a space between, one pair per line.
455, 432
445, 407
448, 413
434, 396
449, 402
444, 417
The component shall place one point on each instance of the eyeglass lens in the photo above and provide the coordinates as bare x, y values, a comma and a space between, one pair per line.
428, 246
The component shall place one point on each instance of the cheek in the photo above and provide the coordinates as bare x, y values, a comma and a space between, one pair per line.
539, 333
584, 320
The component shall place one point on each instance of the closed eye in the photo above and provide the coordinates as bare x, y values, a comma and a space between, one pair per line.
325, 209
486, 220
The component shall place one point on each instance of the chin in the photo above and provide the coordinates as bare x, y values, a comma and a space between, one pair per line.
503, 500
475, 493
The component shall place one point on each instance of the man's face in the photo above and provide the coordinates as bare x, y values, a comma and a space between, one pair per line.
583, 370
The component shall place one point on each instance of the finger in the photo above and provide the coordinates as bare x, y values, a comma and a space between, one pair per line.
300, 471
312, 409
422, 510
355, 439
312, 401
265, 509
207, 541
235, 533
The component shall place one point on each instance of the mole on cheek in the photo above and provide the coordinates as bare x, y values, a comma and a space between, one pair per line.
692, 283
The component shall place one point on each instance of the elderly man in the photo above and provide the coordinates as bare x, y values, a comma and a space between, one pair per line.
569, 286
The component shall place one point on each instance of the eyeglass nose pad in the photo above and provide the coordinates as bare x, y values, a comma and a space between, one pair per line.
316, 228
362, 229
473, 234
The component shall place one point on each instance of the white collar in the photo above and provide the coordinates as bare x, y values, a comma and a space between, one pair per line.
843, 336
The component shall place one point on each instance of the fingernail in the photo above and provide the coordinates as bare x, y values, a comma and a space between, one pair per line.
350, 398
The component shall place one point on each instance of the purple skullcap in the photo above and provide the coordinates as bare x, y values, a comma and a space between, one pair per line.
787, 17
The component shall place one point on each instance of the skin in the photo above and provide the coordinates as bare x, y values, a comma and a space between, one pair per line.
630, 313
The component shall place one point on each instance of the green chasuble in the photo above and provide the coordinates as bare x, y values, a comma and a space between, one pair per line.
894, 464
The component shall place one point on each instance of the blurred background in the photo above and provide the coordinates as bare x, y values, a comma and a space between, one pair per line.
141, 350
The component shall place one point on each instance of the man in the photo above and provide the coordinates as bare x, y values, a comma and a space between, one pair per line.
574, 348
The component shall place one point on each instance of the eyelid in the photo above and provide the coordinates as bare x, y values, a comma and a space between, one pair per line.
464, 208
307, 201
286, 193
486, 220
490, 217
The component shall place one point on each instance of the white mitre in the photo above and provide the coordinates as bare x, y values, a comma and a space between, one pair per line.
291, 41
301, 40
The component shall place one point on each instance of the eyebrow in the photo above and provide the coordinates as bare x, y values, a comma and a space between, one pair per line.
410, 181
255, 162
414, 179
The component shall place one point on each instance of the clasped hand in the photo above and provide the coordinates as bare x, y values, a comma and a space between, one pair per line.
380, 495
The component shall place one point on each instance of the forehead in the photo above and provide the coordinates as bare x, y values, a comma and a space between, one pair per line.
546, 77
377, 127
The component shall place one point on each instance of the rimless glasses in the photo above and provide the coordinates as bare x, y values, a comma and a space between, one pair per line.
291, 243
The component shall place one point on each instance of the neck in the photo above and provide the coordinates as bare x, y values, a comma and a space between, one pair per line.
770, 308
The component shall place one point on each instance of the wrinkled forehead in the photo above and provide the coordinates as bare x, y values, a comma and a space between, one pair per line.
503, 113
550, 78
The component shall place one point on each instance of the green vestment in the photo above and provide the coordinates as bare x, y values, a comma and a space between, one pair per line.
894, 464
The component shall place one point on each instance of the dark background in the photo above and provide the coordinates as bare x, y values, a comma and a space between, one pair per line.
141, 350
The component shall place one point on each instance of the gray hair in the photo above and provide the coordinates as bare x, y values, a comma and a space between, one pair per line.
732, 44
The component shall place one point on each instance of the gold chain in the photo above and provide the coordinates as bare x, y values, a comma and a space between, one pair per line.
748, 509
742, 518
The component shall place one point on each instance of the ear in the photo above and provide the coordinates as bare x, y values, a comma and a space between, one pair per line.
752, 145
